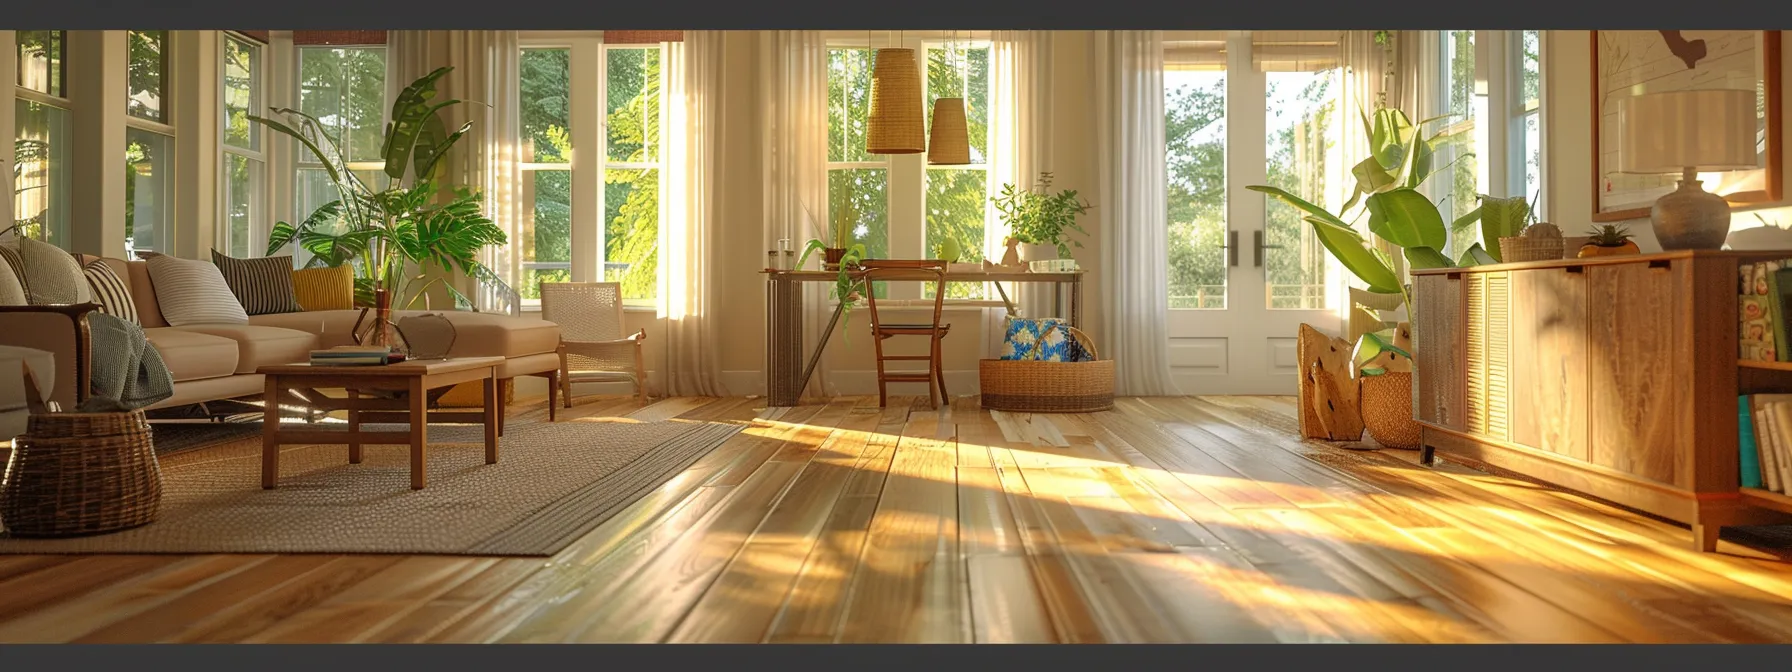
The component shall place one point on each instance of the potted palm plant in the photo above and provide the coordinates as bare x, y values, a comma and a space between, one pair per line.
393, 236
1039, 220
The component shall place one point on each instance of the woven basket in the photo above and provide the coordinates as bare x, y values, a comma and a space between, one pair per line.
75, 474
1033, 386
1386, 401
1530, 248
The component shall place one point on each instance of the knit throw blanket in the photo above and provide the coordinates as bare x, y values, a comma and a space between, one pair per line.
127, 373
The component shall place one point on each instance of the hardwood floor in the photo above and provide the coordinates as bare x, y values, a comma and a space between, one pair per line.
1165, 520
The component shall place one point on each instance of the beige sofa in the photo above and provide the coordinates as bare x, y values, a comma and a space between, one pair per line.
213, 362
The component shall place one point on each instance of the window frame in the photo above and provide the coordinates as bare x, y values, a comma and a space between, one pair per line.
164, 235
301, 159
30, 95
259, 219
588, 63
905, 186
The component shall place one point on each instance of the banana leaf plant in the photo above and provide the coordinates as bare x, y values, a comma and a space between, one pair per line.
393, 236
1387, 193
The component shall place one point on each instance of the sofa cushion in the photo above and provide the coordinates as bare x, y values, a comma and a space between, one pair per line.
191, 355
262, 285
496, 335
475, 334
193, 292
331, 327
324, 288
52, 276
143, 290
110, 291
261, 345
12, 291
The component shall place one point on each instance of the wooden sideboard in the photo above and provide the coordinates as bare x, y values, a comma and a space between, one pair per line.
1616, 377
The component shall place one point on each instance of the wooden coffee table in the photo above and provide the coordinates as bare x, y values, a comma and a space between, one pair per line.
286, 382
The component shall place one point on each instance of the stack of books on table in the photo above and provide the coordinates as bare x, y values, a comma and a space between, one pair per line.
355, 355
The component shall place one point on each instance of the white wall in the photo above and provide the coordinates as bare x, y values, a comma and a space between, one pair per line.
1568, 102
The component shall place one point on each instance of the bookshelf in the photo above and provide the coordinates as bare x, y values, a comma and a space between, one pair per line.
1616, 377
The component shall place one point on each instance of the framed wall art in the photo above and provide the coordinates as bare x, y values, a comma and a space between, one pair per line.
1633, 62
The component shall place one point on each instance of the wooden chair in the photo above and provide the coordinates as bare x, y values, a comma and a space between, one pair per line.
927, 270
592, 346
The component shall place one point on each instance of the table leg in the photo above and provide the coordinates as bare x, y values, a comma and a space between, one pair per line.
354, 429
491, 416
1006, 302
1076, 303
419, 431
270, 433
784, 341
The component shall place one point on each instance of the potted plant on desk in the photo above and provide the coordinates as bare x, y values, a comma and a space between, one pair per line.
1040, 221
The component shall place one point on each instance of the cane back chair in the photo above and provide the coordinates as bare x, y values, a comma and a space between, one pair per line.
592, 347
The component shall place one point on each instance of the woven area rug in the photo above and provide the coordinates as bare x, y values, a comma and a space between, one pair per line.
553, 483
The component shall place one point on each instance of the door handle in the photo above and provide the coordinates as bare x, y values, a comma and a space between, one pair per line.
1257, 256
1231, 248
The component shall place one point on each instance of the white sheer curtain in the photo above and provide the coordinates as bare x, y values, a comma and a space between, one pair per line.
1134, 299
793, 81
1020, 130
689, 255
486, 75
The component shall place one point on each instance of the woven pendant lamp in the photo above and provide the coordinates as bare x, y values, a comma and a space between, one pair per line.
950, 142
895, 125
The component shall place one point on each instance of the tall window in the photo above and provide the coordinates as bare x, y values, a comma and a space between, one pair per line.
601, 212
241, 231
858, 181
1529, 109
149, 143
1462, 185
1195, 138
41, 137
546, 236
345, 89
956, 194
632, 163
933, 204
1302, 125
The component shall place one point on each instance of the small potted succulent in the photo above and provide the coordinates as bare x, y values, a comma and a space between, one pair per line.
1609, 240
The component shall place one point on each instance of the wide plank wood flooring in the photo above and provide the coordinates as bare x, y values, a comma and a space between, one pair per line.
1166, 520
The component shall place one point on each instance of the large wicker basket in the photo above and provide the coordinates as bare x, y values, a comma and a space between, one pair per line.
1033, 386
75, 474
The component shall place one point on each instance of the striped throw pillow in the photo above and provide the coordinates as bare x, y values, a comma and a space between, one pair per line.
325, 288
110, 292
193, 292
263, 285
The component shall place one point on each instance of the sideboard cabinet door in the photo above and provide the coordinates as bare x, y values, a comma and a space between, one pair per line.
1631, 381
1438, 339
1549, 360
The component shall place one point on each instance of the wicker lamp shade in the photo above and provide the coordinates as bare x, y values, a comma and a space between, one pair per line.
895, 125
950, 142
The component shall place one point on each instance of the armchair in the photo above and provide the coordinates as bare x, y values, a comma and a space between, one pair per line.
592, 346
62, 331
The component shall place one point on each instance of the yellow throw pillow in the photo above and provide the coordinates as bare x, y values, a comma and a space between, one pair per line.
325, 288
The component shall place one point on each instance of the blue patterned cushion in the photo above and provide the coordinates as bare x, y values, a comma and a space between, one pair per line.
1024, 332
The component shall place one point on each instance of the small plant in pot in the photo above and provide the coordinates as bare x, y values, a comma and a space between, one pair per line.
1609, 240
836, 240
1041, 220
1384, 374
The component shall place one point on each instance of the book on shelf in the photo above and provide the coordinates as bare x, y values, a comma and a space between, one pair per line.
1750, 461
1762, 329
1766, 442
1776, 460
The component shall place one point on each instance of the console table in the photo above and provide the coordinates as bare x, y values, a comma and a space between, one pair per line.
1616, 377
788, 366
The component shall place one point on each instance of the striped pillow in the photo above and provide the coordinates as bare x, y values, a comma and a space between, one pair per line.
193, 292
110, 292
262, 285
325, 288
